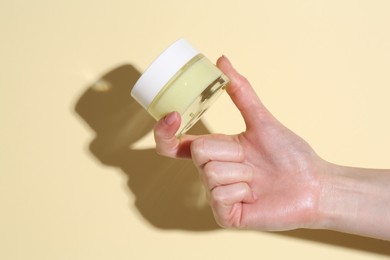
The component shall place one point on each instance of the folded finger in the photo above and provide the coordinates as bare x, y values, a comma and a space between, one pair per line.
217, 173
216, 148
226, 202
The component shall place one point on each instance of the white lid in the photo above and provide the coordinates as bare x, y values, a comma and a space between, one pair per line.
161, 71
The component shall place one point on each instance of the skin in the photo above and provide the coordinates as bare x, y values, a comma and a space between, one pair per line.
268, 178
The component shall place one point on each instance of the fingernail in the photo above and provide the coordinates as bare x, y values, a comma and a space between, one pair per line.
170, 118
226, 58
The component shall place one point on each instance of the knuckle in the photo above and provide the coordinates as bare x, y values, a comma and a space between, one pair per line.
196, 145
210, 171
244, 188
248, 171
197, 150
242, 80
227, 221
240, 152
219, 197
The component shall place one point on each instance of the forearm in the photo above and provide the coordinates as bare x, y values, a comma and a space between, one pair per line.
357, 201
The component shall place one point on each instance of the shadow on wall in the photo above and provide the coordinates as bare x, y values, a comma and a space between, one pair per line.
167, 191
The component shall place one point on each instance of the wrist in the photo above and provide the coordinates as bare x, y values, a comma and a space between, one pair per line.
337, 202
354, 200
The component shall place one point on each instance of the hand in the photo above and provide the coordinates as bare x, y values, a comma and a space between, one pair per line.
266, 178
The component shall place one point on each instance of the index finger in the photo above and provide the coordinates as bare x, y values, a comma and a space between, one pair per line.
167, 143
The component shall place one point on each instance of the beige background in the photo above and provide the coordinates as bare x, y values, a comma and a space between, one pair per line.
79, 178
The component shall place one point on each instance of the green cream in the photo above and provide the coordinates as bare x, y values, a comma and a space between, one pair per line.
190, 92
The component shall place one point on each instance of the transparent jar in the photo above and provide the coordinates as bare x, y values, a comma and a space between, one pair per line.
181, 79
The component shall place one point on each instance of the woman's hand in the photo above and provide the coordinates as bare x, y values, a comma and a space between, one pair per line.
268, 178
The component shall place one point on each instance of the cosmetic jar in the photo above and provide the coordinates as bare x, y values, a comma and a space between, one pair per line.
180, 79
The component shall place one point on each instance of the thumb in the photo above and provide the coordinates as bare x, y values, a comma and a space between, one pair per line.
243, 95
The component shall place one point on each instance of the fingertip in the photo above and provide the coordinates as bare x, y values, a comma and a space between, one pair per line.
172, 119
221, 59
166, 128
169, 123
223, 63
236, 79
